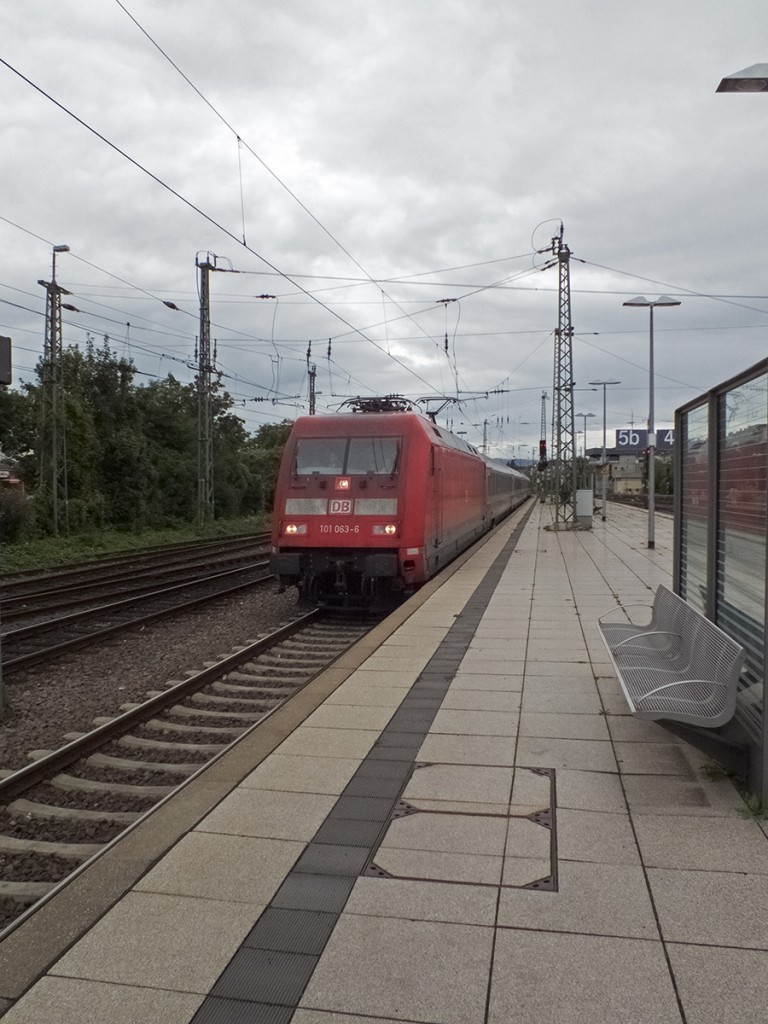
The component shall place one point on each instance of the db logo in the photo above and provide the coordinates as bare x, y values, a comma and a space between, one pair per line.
340, 506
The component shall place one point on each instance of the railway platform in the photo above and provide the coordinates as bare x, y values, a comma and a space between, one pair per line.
458, 823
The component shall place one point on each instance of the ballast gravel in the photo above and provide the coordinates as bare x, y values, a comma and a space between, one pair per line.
65, 696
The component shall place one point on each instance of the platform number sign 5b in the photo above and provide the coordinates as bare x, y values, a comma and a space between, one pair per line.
631, 440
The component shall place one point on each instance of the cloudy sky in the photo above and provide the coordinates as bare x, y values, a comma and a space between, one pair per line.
361, 163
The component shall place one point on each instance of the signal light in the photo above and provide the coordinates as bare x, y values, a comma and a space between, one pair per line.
384, 530
343, 483
294, 529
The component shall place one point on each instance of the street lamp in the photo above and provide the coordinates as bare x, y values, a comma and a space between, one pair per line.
751, 79
585, 416
604, 384
640, 300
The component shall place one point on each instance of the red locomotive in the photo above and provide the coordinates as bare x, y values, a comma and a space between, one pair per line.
371, 503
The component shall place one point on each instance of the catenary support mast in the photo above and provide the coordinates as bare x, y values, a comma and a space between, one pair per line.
53, 447
563, 433
204, 399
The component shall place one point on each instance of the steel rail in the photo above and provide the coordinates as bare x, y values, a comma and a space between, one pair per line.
35, 773
48, 653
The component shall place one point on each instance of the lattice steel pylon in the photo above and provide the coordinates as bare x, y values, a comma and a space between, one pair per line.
204, 399
53, 447
563, 433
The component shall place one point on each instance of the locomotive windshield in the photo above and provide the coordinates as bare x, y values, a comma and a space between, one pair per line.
350, 456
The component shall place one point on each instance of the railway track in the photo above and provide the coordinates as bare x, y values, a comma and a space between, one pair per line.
110, 602
664, 503
61, 810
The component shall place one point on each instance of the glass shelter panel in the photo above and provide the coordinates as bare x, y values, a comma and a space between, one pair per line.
695, 506
742, 524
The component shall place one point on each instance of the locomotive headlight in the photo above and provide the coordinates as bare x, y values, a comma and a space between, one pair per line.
343, 483
384, 530
294, 529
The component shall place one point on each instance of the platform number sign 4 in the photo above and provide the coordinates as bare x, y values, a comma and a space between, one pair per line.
631, 440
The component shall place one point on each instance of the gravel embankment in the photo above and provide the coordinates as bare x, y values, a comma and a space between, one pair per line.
65, 696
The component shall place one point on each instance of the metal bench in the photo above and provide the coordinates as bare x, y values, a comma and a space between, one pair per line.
680, 666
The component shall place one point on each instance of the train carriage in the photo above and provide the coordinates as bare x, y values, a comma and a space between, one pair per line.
371, 503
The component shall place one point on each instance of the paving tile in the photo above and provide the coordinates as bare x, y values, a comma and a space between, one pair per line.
594, 836
599, 899
294, 772
363, 695
482, 700
271, 815
673, 795
575, 727
526, 838
475, 723
564, 683
628, 729
482, 664
306, 741
616, 704
592, 755
570, 672
448, 833
373, 677
567, 651
346, 716
170, 955
489, 750
711, 907
323, 1017
76, 1001
505, 646
553, 701
655, 759
255, 868
522, 871
419, 970
458, 807
718, 986
530, 791
511, 682
590, 791
702, 843
439, 866
541, 977
419, 900
460, 782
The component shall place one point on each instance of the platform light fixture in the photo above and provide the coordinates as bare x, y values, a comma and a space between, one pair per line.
751, 79
584, 417
604, 462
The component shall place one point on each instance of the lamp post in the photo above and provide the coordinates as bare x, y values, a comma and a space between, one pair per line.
585, 416
640, 300
604, 384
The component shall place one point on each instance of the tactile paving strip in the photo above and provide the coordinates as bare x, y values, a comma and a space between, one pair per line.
264, 981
